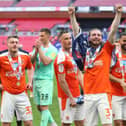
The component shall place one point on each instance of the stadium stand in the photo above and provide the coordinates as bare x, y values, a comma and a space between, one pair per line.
56, 3
3, 44
6, 3
98, 2
5, 21
29, 3
27, 27
37, 24
26, 41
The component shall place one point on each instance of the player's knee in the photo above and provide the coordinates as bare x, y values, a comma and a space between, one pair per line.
107, 124
28, 123
118, 123
64, 124
79, 123
43, 107
124, 122
6, 124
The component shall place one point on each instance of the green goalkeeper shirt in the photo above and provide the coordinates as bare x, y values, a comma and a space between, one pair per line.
45, 72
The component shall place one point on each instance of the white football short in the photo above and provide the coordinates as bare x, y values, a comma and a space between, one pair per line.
19, 102
119, 107
70, 114
97, 105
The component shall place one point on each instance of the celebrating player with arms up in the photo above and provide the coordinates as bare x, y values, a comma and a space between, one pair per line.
96, 57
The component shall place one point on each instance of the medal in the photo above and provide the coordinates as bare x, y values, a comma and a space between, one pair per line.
17, 68
18, 76
18, 83
90, 57
76, 77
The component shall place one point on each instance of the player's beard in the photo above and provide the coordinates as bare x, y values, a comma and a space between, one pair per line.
123, 47
13, 52
95, 44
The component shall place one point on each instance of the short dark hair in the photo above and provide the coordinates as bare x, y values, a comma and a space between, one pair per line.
93, 30
12, 36
122, 34
62, 32
46, 30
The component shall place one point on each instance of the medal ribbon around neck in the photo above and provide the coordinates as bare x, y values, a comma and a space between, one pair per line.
18, 75
90, 59
119, 56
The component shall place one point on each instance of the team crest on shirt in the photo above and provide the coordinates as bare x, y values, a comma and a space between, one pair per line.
61, 67
53, 55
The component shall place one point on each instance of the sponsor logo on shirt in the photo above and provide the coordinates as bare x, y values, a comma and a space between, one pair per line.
120, 70
70, 71
12, 73
53, 55
6, 62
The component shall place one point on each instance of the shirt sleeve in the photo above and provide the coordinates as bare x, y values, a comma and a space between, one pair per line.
61, 68
61, 61
29, 63
108, 47
52, 54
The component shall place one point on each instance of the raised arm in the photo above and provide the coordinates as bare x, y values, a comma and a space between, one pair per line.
115, 23
75, 26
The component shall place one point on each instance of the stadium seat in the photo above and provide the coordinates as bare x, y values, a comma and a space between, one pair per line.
98, 2
29, 3
6, 3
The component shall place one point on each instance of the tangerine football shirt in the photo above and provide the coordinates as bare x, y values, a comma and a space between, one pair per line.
117, 72
8, 76
96, 79
64, 64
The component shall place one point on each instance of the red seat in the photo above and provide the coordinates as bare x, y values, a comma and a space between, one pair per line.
6, 3
29, 3
37, 24
56, 3
98, 2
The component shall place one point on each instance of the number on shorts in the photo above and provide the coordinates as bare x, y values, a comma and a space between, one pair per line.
44, 96
28, 110
107, 113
